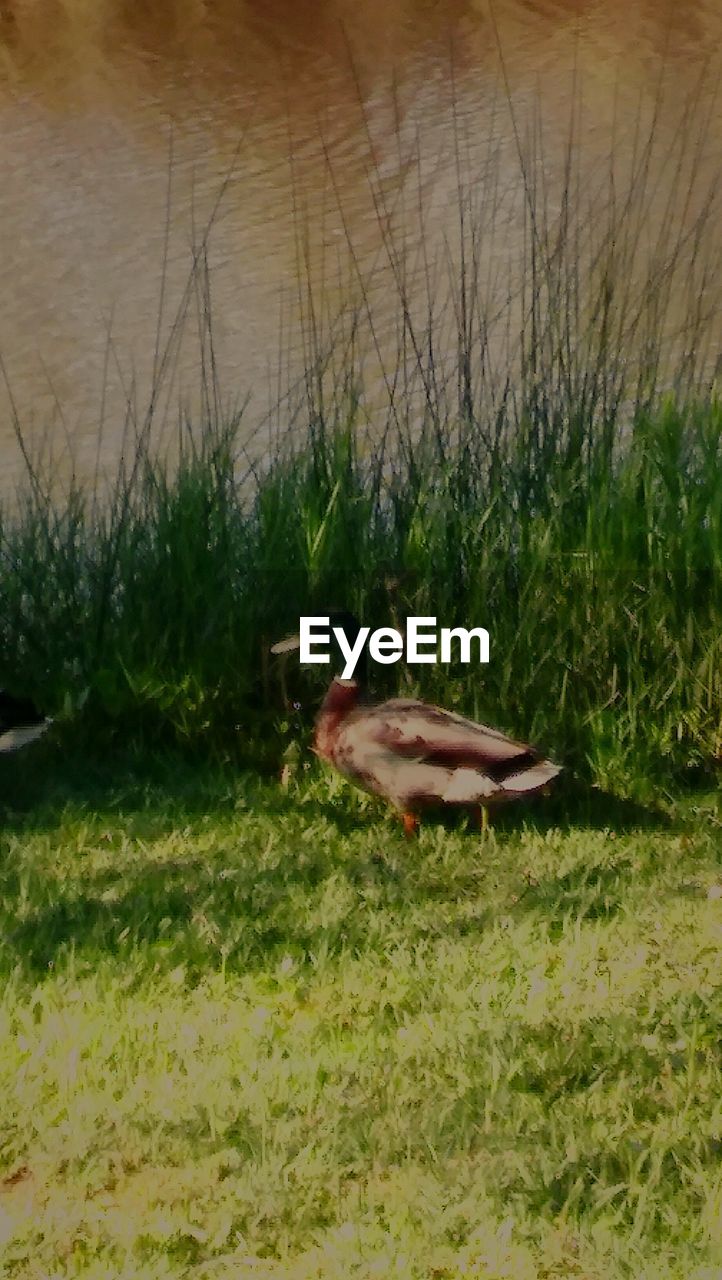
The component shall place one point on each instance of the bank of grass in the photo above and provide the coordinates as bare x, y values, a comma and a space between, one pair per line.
539, 455
247, 1032
595, 564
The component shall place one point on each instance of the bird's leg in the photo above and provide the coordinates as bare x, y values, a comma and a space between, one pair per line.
411, 824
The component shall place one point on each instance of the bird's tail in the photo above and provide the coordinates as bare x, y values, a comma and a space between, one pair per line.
528, 781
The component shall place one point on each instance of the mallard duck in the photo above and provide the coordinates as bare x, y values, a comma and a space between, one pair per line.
417, 755
20, 722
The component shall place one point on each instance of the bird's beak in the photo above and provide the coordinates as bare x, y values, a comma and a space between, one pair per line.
289, 645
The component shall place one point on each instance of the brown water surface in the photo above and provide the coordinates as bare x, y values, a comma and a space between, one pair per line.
327, 142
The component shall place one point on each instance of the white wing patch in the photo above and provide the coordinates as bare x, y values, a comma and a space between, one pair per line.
405, 779
21, 735
532, 779
469, 785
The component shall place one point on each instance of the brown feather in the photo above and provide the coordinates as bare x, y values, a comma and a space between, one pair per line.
412, 729
414, 754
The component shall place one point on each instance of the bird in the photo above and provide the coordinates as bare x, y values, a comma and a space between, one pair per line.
20, 722
417, 755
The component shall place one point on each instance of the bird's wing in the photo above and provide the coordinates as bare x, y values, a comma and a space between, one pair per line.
20, 736
413, 730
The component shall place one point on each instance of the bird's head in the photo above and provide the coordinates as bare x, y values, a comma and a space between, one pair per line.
338, 619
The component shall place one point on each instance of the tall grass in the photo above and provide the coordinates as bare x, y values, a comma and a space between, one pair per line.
602, 592
566, 497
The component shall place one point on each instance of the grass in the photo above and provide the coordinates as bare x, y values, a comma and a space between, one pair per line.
558, 488
544, 463
249, 1032
601, 590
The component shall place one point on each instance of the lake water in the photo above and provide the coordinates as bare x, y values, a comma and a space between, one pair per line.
314, 155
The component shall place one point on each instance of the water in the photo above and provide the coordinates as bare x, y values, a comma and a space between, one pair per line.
327, 144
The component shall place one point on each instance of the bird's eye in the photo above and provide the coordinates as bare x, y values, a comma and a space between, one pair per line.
297, 706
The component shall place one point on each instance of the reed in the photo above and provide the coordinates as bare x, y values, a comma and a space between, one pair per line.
566, 497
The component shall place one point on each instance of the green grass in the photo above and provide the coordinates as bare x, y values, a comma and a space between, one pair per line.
150, 617
250, 1032
538, 455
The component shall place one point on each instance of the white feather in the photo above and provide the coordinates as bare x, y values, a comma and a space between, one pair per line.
467, 786
21, 735
533, 779
289, 645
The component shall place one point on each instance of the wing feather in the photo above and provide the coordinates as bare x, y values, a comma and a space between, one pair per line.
20, 736
20, 722
410, 729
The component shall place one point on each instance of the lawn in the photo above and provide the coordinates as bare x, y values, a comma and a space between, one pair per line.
253, 1032
248, 1031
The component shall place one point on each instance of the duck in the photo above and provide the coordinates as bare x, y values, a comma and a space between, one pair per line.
20, 722
416, 755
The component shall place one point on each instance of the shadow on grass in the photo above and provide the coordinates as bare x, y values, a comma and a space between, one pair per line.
36, 785
275, 876
575, 804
